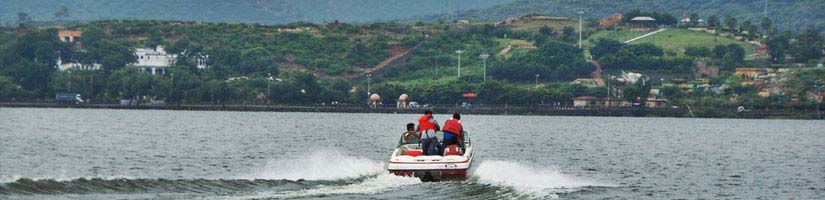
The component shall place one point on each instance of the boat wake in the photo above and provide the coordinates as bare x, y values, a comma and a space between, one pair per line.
530, 181
320, 165
26, 186
324, 174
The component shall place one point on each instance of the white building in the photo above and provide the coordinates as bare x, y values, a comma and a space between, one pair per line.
75, 66
155, 60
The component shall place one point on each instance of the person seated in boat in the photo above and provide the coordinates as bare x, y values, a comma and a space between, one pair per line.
410, 136
453, 131
427, 126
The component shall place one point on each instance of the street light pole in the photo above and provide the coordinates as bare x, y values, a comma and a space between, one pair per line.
459, 62
369, 85
580, 28
818, 95
269, 87
817, 98
69, 81
484, 57
537, 79
608, 91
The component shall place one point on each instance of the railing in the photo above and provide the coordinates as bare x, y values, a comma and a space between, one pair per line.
486, 109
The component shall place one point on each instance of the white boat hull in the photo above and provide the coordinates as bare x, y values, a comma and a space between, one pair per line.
431, 168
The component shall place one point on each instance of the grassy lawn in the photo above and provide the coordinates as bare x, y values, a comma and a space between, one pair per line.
619, 35
678, 39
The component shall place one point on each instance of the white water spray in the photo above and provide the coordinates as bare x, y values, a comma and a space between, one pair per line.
530, 180
321, 165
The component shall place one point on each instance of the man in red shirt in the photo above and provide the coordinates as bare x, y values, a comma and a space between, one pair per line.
427, 126
453, 131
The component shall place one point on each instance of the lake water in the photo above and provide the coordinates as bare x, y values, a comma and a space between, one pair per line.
151, 154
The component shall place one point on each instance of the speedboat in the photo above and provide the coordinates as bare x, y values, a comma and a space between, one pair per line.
408, 160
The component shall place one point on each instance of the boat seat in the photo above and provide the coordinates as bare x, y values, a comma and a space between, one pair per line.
452, 150
413, 152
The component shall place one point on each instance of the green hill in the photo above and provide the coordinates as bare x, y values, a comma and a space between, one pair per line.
671, 40
786, 14
251, 11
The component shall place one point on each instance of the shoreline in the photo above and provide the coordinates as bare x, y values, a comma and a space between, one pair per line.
506, 110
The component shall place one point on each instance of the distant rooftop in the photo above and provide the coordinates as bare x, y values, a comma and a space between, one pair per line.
643, 18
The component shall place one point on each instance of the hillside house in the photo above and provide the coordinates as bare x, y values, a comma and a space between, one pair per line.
587, 101
685, 21
596, 102
751, 76
653, 102
154, 60
63, 66
589, 82
642, 23
69, 36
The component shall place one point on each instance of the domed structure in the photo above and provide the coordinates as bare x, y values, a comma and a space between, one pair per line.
402, 102
375, 97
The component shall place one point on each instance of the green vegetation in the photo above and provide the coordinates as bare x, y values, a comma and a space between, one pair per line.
304, 63
677, 40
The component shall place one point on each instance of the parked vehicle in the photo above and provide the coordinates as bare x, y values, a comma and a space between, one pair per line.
66, 97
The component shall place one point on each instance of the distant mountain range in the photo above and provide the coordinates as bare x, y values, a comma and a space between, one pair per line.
786, 14
246, 11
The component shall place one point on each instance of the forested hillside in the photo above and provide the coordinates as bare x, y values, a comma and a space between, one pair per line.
786, 14
252, 11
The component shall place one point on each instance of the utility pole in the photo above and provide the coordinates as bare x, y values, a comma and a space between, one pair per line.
484, 57
69, 81
173, 87
817, 98
608, 91
459, 62
580, 28
766, 8
268, 87
369, 84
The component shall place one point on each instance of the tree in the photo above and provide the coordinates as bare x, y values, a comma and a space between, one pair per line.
808, 45
114, 55
750, 28
130, 83
713, 21
696, 51
766, 26
731, 22
605, 46
637, 92
62, 12
568, 34
694, 19
730, 55
546, 31
155, 39
778, 45
8, 90
23, 19
644, 49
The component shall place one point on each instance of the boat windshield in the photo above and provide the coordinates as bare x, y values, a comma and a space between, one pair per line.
408, 140
440, 135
